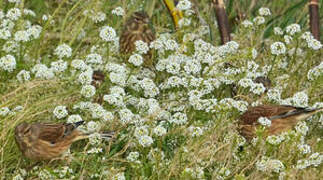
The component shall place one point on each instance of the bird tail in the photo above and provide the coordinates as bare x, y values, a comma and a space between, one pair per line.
107, 135
300, 113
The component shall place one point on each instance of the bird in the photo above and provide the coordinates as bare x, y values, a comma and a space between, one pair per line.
47, 141
97, 78
282, 117
137, 27
263, 80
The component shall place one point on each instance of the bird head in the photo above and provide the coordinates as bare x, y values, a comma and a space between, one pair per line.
140, 17
23, 133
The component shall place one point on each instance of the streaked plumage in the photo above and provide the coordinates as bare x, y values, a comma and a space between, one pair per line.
45, 141
136, 28
283, 118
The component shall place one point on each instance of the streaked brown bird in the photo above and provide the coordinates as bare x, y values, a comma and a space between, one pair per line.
283, 118
45, 141
137, 27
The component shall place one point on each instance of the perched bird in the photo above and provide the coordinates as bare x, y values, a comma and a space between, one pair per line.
45, 141
263, 80
282, 117
137, 27
97, 78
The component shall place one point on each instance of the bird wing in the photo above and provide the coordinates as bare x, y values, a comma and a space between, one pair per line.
55, 132
252, 115
51, 132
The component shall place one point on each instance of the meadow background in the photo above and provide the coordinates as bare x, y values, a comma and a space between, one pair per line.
179, 123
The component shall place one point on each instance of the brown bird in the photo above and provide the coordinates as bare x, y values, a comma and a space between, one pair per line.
282, 117
45, 141
137, 27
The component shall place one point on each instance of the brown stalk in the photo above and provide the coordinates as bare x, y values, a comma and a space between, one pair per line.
222, 19
314, 18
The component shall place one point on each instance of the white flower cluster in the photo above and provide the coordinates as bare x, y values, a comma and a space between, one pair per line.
270, 165
8, 63
108, 34
133, 157
136, 59
115, 97
278, 48
88, 91
264, 11
184, 5
63, 50
315, 72
60, 112
96, 16
275, 139
118, 73
311, 41
264, 121
195, 131
141, 47
314, 159
293, 29
41, 71
118, 11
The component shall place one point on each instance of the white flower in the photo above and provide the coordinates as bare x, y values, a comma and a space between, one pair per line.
300, 99
278, 31
74, 118
304, 148
95, 138
259, 20
85, 77
145, 140
108, 34
274, 94
92, 126
314, 44
275, 140
23, 75
264, 11
78, 64
59, 66
94, 150
63, 50
278, 48
178, 118
4, 111
293, 28
247, 23
14, 1
13, 14
302, 164
302, 128
34, 31
195, 131
60, 112
118, 11
8, 63
184, 5
125, 115
160, 130
119, 176
141, 47
133, 156
94, 59
264, 121
136, 59
88, 91
22, 36
5, 34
